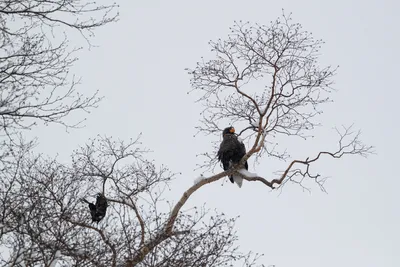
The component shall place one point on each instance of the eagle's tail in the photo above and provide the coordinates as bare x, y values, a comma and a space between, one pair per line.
238, 180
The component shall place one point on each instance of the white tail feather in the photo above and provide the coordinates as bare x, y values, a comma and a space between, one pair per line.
238, 180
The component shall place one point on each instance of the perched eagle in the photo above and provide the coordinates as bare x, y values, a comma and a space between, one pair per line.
98, 210
230, 152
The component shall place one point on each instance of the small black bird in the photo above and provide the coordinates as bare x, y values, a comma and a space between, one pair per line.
98, 210
231, 151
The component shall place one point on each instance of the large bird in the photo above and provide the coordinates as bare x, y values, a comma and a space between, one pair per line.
98, 210
230, 152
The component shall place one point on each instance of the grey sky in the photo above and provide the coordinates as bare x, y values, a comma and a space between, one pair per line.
139, 68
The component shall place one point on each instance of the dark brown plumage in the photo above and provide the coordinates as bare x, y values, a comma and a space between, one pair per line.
98, 210
231, 150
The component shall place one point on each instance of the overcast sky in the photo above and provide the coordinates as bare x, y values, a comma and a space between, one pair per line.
139, 68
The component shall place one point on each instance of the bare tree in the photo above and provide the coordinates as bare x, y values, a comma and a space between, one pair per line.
265, 80
35, 58
46, 217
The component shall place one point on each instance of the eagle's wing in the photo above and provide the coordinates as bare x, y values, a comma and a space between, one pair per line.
227, 144
243, 151
225, 149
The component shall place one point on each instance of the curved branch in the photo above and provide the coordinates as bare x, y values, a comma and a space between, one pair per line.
132, 205
149, 246
356, 148
247, 96
187, 194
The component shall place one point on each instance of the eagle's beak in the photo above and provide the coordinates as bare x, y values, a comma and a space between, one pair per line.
232, 130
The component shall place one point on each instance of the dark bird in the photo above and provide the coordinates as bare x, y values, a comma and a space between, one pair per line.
98, 210
231, 151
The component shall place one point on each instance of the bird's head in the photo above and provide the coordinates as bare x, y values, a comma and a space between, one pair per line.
228, 130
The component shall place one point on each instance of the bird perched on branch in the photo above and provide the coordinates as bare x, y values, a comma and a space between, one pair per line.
231, 151
98, 210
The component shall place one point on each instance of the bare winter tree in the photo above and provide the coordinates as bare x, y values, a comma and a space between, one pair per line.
47, 220
265, 79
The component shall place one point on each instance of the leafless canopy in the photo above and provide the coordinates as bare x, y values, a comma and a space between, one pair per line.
44, 221
266, 80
